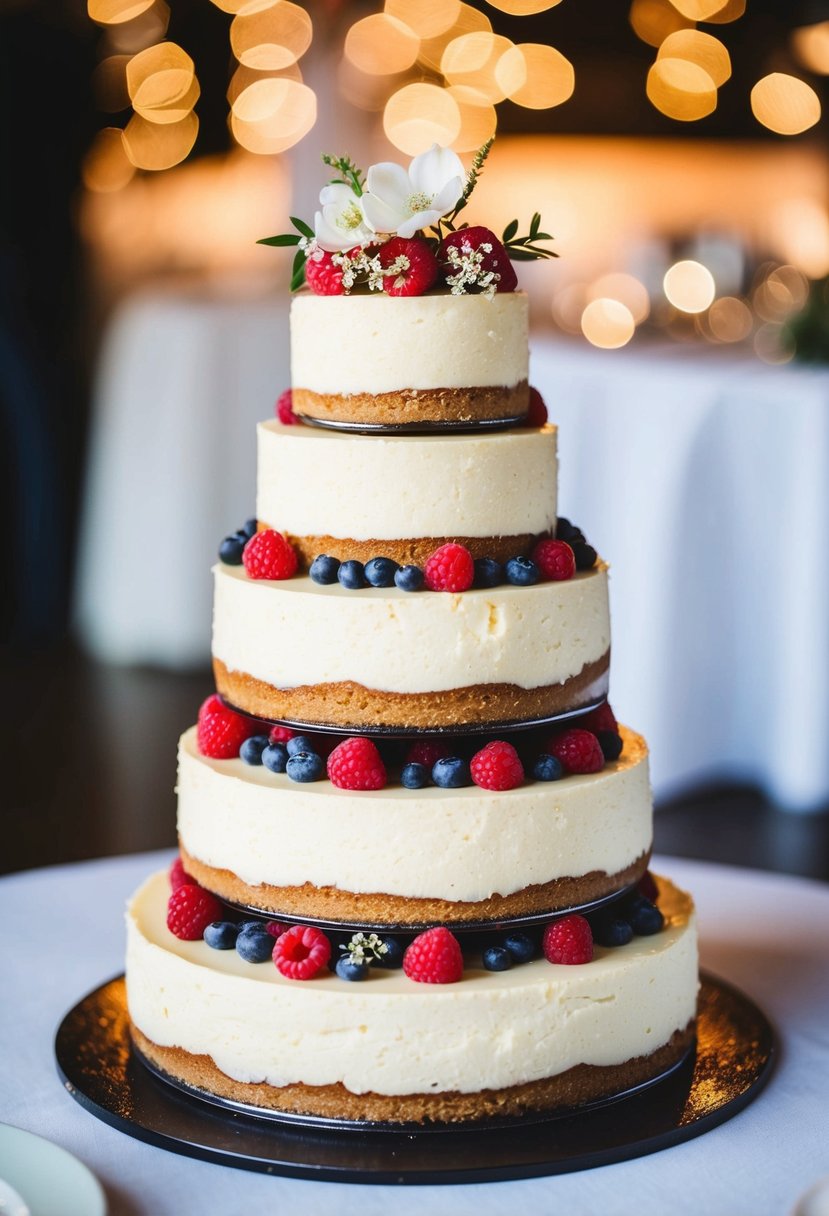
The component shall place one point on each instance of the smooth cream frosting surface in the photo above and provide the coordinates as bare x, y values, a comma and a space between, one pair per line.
313, 482
295, 633
236, 816
380, 343
390, 1035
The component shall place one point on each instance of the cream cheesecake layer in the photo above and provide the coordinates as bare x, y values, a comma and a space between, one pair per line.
238, 817
313, 482
390, 1035
381, 344
295, 633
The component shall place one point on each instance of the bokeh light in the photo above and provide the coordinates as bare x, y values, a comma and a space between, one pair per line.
273, 37
811, 45
157, 146
243, 6
770, 346
273, 114
109, 83
243, 77
785, 104
607, 324
149, 27
689, 286
162, 84
106, 166
419, 115
535, 76
478, 118
428, 18
473, 59
801, 232
654, 20
115, 12
625, 288
702, 49
381, 45
524, 8
731, 11
699, 10
681, 90
469, 21
730, 319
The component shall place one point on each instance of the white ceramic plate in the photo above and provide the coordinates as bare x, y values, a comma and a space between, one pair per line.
47, 1178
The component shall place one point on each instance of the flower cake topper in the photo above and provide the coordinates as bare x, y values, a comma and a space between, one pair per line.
395, 230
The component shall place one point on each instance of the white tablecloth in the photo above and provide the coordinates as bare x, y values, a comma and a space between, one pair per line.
703, 476
63, 935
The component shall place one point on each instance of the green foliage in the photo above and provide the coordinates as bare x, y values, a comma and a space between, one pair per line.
524, 248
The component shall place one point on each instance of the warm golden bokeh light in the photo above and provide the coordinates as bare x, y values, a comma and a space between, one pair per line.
769, 344
535, 76
732, 11
243, 77
801, 231
106, 166
699, 10
381, 45
243, 6
524, 8
469, 21
109, 82
114, 12
271, 38
273, 114
162, 84
730, 319
473, 59
428, 18
607, 324
681, 90
783, 292
689, 286
419, 115
811, 45
155, 146
625, 288
785, 104
699, 48
149, 27
368, 93
654, 20
478, 118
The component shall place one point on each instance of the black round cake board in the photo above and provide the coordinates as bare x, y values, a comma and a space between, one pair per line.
736, 1050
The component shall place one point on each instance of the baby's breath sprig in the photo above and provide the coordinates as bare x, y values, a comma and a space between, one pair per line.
349, 174
522, 248
365, 948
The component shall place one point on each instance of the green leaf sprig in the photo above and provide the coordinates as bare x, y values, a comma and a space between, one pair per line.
303, 233
349, 174
523, 248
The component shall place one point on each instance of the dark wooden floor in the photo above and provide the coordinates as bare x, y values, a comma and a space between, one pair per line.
90, 771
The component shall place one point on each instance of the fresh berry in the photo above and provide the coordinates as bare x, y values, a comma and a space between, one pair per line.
645, 918
555, 559
305, 766
250, 529
537, 413
568, 531
415, 266
426, 751
547, 768
355, 764
584, 554
488, 572
284, 408
301, 952
275, 757
646, 887
522, 571
497, 958
252, 749
450, 568
380, 572
281, 734
351, 575
254, 944
299, 743
276, 927
324, 570
612, 931
190, 910
568, 941
611, 744
520, 946
179, 876
479, 253
600, 718
414, 776
348, 968
323, 275
392, 957
409, 578
578, 750
497, 767
221, 934
221, 732
450, 773
231, 549
269, 555
434, 957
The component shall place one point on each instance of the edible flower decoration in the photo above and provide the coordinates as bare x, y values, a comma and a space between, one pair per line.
396, 230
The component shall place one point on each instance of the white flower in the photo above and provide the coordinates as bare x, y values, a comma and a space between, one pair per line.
340, 224
404, 202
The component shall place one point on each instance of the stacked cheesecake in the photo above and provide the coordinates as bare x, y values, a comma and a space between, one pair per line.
497, 871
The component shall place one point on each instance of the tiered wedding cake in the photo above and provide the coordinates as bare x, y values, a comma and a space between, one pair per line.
473, 843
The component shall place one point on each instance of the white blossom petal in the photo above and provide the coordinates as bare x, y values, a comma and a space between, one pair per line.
380, 215
448, 196
332, 238
421, 219
390, 182
430, 171
337, 192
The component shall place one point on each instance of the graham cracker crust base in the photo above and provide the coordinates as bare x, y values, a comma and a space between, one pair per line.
348, 704
584, 1083
333, 904
414, 551
406, 406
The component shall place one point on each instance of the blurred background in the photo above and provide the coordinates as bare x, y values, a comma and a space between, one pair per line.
676, 149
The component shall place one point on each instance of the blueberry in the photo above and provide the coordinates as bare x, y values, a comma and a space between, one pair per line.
567, 531
254, 944
520, 947
275, 757
221, 934
488, 572
547, 768
250, 528
351, 575
611, 931
522, 571
324, 570
585, 555
393, 957
305, 766
409, 578
348, 969
230, 550
414, 776
645, 918
450, 773
300, 743
252, 749
611, 744
381, 571
497, 958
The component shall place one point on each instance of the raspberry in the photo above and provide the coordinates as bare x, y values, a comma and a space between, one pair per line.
537, 413
497, 767
600, 718
568, 941
323, 276
221, 731
450, 568
416, 278
179, 876
190, 910
647, 887
281, 734
269, 555
427, 752
355, 764
434, 957
473, 263
285, 408
301, 952
276, 928
578, 750
555, 559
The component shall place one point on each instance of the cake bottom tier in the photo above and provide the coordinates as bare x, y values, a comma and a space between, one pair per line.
533, 1038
